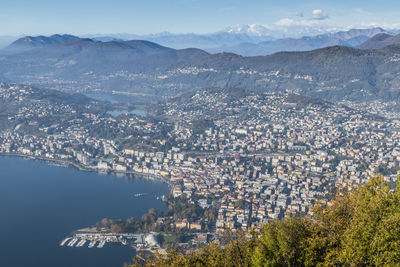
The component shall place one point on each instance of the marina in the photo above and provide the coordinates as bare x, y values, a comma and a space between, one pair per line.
101, 238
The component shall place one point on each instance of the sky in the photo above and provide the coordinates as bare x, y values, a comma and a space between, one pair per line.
80, 17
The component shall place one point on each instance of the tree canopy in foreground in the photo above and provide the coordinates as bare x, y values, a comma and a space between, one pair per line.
361, 228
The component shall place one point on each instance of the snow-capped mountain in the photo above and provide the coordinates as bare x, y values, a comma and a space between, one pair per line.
249, 29
285, 28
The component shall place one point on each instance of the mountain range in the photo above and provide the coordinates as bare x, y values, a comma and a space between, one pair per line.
380, 40
190, 40
245, 39
253, 40
29, 42
143, 68
352, 38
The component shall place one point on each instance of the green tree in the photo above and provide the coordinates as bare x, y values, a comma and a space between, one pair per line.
373, 235
282, 243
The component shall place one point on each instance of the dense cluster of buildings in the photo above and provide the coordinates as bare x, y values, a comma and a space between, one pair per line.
259, 156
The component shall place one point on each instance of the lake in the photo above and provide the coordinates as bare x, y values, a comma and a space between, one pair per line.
113, 98
40, 204
116, 113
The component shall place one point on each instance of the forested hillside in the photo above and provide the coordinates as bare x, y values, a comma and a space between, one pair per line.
151, 71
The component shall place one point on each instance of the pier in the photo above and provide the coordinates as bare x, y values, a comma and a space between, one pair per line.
92, 244
64, 241
101, 238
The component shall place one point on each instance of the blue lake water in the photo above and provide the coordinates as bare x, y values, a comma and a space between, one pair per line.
116, 113
113, 98
40, 204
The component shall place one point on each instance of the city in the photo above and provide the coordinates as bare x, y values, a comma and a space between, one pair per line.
199, 133
255, 157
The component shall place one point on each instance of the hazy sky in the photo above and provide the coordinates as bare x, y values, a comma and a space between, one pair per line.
181, 16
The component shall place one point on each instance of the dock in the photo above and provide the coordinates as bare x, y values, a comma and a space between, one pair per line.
101, 244
81, 243
64, 241
92, 244
95, 238
72, 242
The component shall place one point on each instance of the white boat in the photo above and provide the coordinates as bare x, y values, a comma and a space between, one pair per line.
64, 241
81, 243
72, 242
101, 244
92, 243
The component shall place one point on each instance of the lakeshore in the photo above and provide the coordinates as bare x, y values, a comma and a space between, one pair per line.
43, 203
80, 167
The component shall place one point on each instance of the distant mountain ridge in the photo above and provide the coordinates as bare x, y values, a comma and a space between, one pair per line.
144, 68
245, 40
29, 42
380, 41
350, 38
190, 40
253, 40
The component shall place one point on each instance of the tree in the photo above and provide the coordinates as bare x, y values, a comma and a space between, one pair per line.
373, 235
282, 243
116, 228
106, 222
